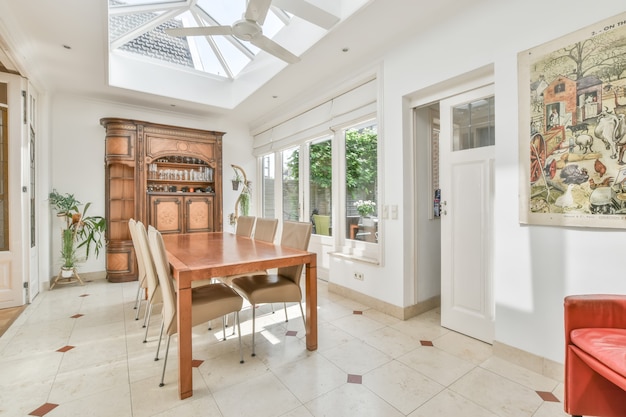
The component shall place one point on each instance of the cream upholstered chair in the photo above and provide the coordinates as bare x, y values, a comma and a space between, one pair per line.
141, 271
155, 296
207, 302
283, 286
245, 225
265, 229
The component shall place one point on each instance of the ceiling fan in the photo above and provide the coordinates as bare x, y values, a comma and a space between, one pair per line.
249, 28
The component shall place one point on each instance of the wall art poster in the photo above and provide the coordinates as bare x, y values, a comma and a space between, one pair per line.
573, 128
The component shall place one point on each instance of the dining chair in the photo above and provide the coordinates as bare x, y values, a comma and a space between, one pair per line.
322, 224
245, 225
141, 272
155, 296
284, 285
207, 302
264, 231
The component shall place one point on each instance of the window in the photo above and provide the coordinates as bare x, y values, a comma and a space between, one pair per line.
474, 124
268, 168
361, 184
291, 184
320, 186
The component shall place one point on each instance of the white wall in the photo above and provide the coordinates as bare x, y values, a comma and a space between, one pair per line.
535, 267
77, 156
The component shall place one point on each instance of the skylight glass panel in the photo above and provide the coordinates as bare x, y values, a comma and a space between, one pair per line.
225, 12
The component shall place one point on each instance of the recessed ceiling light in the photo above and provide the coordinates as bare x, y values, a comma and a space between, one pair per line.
67, 47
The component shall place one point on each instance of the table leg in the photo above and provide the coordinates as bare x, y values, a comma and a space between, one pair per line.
185, 375
311, 304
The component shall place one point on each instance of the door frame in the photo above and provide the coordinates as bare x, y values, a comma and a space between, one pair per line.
427, 96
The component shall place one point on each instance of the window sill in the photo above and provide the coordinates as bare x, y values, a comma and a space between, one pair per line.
354, 257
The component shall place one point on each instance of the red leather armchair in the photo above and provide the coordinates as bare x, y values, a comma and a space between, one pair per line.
595, 355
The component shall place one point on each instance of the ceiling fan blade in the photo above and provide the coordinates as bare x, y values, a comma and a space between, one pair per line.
273, 48
308, 12
257, 10
200, 31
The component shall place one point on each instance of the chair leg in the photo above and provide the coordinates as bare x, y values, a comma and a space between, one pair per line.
156, 358
253, 327
147, 325
224, 326
146, 314
303, 317
286, 318
236, 314
137, 302
167, 351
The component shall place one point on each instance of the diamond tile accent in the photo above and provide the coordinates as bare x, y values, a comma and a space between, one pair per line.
357, 312
65, 348
355, 379
547, 396
291, 333
426, 343
43, 410
75, 316
196, 363
84, 295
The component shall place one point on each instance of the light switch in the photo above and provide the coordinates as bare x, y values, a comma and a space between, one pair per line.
394, 211
385, 211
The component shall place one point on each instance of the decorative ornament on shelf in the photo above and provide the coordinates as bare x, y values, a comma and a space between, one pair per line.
365, 207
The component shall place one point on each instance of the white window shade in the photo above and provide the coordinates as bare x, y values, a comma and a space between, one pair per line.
334, 113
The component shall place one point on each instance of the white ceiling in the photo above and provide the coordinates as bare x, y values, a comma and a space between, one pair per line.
33, 35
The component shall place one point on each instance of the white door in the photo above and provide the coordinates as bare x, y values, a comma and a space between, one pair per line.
467, 153
13, 247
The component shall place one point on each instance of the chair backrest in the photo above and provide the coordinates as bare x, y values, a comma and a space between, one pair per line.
265, 229
152, 281
141, 271
295, 235
322, 224
157, 248
245, 224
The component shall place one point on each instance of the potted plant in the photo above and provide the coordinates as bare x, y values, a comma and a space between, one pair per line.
236, 181
365, 208
80, 231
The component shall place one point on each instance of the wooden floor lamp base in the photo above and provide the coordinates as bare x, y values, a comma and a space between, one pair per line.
61, 279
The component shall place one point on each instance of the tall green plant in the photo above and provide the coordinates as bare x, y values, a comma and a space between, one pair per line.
80, 230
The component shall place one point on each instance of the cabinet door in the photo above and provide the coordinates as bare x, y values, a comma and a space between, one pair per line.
166, 213
199, 213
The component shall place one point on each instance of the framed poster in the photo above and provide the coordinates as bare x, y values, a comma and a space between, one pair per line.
572, 141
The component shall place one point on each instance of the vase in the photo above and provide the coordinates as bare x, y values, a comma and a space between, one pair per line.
67, 272
367, 221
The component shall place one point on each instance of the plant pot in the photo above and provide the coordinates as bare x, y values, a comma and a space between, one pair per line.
236, 184
67, 272
367, 221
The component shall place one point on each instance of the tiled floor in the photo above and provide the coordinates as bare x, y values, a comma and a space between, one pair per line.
77, 351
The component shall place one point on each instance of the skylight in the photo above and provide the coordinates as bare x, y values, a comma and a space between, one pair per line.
137, 27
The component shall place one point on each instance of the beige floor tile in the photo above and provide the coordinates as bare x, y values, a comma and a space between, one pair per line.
401, 386
265, 396
497, 394
351, 400
356, 357
436, 364
520, 375
450, 404
464, 347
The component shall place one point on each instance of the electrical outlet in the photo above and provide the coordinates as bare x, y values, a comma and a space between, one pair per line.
359, 276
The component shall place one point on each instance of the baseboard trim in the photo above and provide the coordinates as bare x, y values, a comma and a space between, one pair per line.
535, 363
402, 313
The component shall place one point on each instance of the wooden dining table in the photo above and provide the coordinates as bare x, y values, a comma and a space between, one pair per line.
201, 256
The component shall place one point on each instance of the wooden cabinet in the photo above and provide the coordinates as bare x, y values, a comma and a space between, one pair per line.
166, 176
